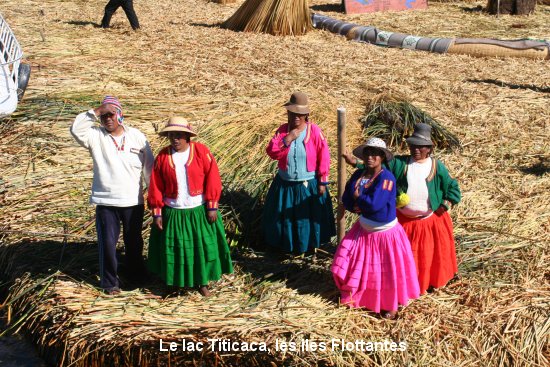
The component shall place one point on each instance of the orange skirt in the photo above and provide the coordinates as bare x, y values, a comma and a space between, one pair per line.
433, 248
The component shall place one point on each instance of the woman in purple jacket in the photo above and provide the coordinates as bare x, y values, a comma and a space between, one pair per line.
298, 214
373, 266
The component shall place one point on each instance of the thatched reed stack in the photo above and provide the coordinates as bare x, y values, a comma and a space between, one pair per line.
276, 17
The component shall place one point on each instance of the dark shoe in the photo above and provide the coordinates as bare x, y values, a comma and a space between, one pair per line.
112, 291
204, 291
171, 291
431, 289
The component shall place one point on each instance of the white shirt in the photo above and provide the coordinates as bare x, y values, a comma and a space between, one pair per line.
184, 200
373, 226
418, 189
117, 171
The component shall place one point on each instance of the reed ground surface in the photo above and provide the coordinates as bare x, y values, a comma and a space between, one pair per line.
232, 86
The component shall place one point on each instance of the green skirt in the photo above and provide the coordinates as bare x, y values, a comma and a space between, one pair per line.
189, 251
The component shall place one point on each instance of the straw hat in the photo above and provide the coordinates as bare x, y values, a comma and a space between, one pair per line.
298, 103
176, 123
373, 143
422, 135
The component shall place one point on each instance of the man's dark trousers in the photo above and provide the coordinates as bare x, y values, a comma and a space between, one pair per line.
108, 220
127, 6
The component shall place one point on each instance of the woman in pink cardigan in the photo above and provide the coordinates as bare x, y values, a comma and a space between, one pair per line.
298, 214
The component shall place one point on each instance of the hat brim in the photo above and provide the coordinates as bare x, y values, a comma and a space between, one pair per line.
413, 140
299, 109
358, 152
168, 129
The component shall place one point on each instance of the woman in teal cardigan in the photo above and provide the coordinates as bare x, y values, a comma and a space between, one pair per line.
431, 192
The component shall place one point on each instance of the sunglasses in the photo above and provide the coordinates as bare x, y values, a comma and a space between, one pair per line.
177, 135
420, 146
373, 152
298, 114
108, 114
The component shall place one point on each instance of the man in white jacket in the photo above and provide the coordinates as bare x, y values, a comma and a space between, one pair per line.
121, 156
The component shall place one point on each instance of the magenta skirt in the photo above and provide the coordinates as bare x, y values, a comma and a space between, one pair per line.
375, 270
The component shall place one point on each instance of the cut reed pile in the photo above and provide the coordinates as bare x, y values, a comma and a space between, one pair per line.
276, 17
392, 118
233, 85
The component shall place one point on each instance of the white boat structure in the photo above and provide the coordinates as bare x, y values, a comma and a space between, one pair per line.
14, 75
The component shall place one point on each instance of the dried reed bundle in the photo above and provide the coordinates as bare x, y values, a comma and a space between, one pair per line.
392, 118
276, 17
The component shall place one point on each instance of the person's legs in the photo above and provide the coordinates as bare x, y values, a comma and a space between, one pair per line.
110, 9
108, 230
128, 6
132, 222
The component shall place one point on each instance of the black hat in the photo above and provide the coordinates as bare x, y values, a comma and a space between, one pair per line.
422, 135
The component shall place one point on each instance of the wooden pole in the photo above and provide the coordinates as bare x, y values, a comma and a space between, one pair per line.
341, 134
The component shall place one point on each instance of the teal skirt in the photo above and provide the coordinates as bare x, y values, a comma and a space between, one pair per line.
296, 218
189, 251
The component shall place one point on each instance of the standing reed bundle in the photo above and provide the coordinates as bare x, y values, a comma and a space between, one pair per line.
276, 17
392, 118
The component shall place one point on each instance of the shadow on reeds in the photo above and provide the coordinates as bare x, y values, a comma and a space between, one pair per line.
205, 25
538, 169
511, 85
303, 274
78, 260
474, 9
19, 351
336, 8
242, 215
83, 23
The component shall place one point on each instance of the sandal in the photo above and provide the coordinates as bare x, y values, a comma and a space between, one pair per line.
389, 315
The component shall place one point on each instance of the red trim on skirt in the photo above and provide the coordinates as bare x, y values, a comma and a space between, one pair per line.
433, 248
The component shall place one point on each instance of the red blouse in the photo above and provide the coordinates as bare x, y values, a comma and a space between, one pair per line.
203, 177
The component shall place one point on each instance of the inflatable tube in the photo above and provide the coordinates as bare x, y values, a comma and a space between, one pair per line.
488, 47
23, 82
479, 47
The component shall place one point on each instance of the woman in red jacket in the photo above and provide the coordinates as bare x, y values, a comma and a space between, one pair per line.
187, 247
